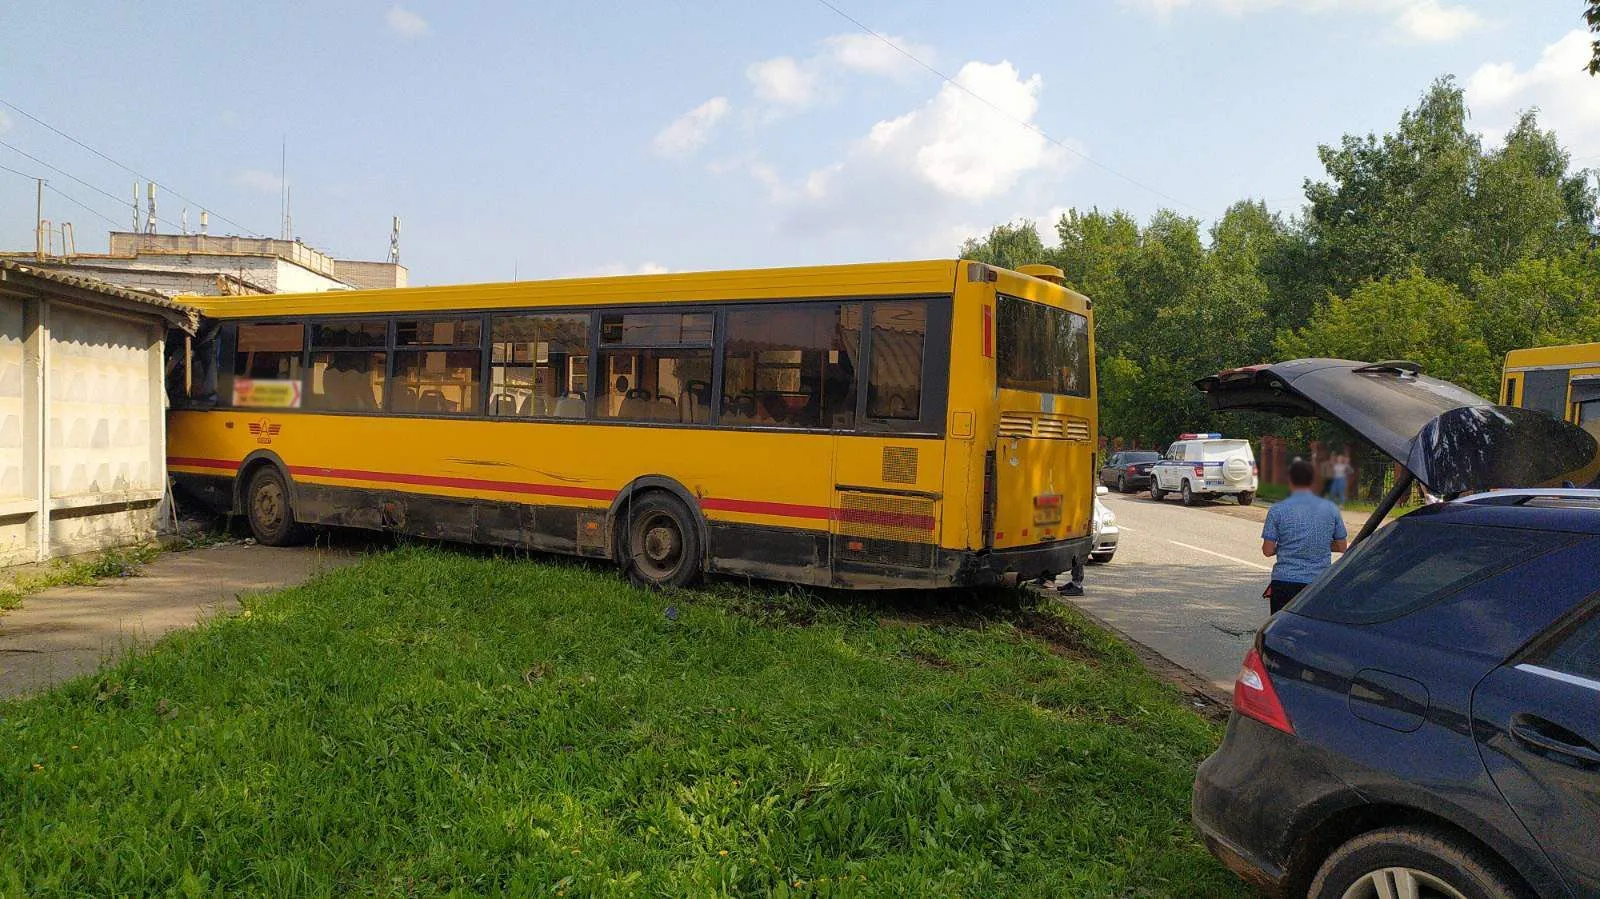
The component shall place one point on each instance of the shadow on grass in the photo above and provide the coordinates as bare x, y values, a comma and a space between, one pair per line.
1029, 612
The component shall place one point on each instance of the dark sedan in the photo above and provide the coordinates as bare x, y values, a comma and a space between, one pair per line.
1424, 721
1129, 471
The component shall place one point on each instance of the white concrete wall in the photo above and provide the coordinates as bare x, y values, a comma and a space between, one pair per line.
82, 439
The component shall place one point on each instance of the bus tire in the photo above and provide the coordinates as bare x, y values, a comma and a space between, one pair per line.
269, 510
659, 546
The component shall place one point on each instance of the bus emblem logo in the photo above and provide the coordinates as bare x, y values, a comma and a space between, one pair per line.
263, 431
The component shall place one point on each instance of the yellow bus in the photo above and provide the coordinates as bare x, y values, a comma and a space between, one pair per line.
915, 424
1561, 380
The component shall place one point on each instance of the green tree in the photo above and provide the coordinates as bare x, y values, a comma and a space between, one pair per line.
1539, 301
1592, 16
1412, 316
1011, 245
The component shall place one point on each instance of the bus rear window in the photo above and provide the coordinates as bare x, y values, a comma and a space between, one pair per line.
1041, 348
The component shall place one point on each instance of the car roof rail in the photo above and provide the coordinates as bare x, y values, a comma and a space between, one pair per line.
1583, 497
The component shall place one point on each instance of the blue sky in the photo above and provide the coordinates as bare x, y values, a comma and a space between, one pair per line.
554, 139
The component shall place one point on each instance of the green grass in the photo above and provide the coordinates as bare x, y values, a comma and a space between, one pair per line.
81, 572
431, 722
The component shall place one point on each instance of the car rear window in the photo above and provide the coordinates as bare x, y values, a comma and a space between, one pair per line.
1409, 566
1134, 458
1224, 449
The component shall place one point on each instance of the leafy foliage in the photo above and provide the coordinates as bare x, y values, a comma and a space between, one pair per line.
1420, 244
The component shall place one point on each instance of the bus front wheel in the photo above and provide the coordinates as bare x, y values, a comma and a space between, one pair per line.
269, 511
660, 544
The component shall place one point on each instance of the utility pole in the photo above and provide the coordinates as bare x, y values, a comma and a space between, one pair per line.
38, 220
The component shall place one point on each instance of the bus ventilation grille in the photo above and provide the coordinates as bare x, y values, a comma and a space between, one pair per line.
888, 530
1015, 424
1044, 427
900, 464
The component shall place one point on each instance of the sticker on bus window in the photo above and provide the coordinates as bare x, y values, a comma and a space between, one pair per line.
260, 392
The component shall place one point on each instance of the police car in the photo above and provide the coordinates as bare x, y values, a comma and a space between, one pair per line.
1205, 466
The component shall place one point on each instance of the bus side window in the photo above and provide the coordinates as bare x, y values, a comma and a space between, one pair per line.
790, 366
894, 374
191, 365
655, 366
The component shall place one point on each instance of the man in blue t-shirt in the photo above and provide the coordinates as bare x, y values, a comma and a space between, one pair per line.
1301, 532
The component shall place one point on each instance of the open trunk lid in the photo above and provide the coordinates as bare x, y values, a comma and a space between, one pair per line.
1450, 439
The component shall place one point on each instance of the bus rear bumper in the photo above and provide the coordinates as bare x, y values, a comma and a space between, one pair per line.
1023, 563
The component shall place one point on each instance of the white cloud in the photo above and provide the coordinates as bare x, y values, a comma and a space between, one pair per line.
1433, 21
406, 23
787, 82
259, 180
916, 179
615, 269
1567, 96
688, 132
1414, 20
867, 54
783, 82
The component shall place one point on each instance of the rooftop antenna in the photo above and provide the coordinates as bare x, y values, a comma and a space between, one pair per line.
136, 207
287, 228
205, 221
394, 242
288, 213
150, 220
183, 220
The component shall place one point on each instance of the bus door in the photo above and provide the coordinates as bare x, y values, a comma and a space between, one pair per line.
1043, 482
889, 468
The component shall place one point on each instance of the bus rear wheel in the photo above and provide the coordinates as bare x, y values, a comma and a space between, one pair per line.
269, 511
660, 545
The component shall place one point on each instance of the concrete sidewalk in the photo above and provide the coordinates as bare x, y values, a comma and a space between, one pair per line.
63, 632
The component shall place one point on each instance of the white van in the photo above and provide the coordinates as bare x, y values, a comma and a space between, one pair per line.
1205, 466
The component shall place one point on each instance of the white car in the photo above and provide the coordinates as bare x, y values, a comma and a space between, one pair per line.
1104, 530
1205, 466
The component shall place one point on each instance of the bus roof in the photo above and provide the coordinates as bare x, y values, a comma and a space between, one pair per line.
860, 280
1554, 356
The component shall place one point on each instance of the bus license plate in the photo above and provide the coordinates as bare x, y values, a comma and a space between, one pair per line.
1047, 509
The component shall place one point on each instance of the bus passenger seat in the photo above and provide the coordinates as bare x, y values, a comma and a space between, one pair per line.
569, 407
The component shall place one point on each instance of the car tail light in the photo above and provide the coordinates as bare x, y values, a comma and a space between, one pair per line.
1254, 697
1133, 469
1199, 471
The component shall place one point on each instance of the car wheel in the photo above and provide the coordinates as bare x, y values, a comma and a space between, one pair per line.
1122, 484
1156, 493
269, 511
1188, 495
1101, 558
1411, 861
659, 545
1247, 497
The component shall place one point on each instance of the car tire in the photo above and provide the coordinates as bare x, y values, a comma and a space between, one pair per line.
269, 510
1188, 495
1247, 497
1122, 484
1102, 558
658, 543
1419, 856
1156, 493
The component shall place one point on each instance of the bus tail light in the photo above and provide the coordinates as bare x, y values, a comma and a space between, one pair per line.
988, 332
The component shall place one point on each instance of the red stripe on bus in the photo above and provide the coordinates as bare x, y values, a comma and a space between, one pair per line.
758, 507
424, 480
203, 463
710, 504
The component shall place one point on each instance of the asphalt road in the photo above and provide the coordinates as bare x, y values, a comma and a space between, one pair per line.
1186, 582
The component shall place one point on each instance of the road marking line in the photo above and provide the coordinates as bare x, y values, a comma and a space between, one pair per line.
1221, 556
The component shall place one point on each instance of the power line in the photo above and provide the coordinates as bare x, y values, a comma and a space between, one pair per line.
66, 174
38, 121
985, 101
63, 194
115, 225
